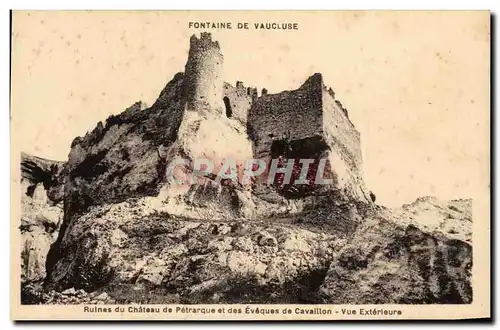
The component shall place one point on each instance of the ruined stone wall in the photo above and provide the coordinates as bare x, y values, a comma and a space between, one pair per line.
289, 115
340, 133
203, 80
238, 100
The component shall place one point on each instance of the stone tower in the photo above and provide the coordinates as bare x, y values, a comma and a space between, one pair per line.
203, 81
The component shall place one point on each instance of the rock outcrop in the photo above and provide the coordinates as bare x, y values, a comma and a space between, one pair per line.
197, 260
41, 213
386, 262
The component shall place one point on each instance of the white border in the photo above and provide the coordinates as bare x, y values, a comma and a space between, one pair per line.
492, 5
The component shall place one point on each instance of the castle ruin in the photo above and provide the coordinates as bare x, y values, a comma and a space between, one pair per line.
306, 123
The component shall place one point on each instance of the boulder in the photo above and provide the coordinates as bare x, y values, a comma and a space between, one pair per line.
389, 263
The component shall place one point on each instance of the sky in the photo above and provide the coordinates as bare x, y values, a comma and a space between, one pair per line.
416, 84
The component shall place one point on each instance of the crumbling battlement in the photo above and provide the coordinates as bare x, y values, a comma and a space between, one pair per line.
205, 42
203, 82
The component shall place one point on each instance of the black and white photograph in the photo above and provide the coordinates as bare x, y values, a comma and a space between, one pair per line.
251, 165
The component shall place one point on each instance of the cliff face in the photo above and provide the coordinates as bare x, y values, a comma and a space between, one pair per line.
127, 227
136, 253
42, 184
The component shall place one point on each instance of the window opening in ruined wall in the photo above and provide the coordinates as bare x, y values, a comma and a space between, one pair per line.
229, 111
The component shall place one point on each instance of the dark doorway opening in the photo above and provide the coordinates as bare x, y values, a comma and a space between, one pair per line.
314, 148
229, 111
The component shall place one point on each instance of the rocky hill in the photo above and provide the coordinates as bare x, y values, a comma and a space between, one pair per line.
119, 229
135, 252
